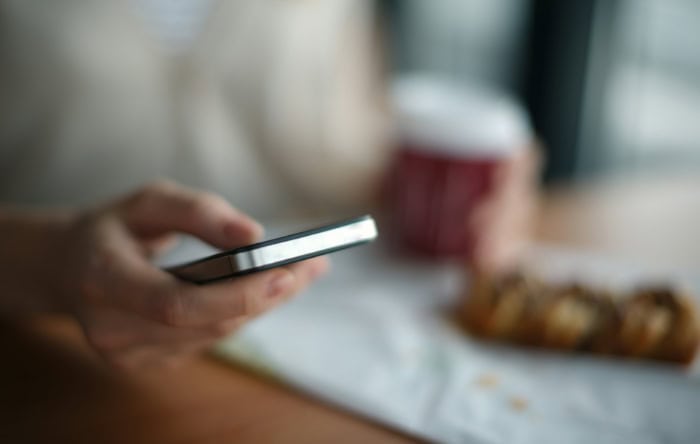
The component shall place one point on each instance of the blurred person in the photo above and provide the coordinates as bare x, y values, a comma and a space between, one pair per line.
267, 104
273, 105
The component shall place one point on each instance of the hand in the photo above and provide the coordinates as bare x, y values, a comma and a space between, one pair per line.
132, 312
504, 221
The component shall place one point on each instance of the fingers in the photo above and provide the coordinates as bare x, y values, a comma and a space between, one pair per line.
165, 207
503, 221
158, 244
128, 341
249, 296
155, 295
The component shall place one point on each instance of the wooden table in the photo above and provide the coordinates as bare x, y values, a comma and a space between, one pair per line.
54, 390
653, 219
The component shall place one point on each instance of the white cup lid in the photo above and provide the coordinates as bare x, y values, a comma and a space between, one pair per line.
458, 120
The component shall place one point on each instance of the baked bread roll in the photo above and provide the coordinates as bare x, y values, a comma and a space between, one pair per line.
652, 323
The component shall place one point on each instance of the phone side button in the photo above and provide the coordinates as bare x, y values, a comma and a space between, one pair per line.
241, 261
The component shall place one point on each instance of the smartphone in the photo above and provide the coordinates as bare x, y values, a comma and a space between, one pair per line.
278, 252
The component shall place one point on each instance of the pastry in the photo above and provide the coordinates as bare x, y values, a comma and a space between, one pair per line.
652, 323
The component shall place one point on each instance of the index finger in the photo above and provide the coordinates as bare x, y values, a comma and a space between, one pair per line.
164, 207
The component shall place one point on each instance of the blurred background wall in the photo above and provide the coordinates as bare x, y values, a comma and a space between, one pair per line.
613, 86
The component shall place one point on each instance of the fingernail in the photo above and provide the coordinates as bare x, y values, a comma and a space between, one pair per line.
280, 284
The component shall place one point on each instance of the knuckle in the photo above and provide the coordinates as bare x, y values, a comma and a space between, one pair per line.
100, 267
213, 200
104, 260
202, 203
248, 303
205, 202
169, 308
147, 193
193, 207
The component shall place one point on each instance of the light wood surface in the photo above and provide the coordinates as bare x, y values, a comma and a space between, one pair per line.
653, 219
54, 390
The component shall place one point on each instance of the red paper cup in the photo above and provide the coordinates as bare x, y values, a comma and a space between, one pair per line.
451, 142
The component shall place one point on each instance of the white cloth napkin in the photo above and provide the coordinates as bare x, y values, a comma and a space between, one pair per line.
373, 337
